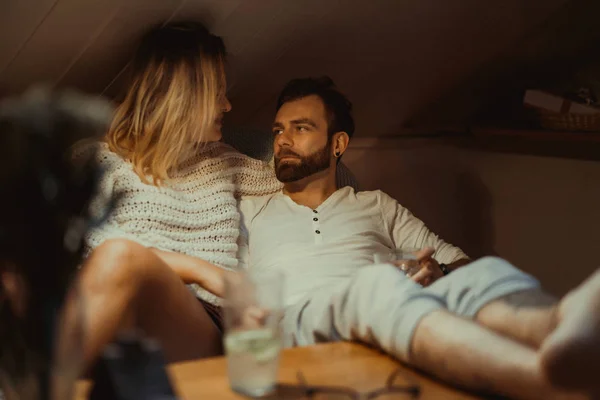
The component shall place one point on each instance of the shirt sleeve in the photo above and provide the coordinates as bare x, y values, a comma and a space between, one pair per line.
409, 232
246, 207
249, 207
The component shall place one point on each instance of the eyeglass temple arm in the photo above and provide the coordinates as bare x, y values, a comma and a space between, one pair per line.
312, 389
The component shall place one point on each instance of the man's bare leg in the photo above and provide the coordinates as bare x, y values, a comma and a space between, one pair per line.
124, 285
463, 353
568, 331
527, 316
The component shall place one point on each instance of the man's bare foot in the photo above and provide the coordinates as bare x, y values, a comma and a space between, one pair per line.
570, 356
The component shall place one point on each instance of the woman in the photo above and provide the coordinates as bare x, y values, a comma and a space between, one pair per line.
175, 219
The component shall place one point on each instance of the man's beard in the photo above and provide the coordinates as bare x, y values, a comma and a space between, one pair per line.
308, 165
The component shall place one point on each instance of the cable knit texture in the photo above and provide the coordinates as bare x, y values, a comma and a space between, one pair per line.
194, 212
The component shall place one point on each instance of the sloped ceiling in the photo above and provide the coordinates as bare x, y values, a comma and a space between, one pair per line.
396, 59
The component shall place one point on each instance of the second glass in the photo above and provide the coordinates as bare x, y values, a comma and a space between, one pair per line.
404, 259
253, 310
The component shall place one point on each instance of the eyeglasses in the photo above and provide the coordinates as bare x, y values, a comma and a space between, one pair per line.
390, 391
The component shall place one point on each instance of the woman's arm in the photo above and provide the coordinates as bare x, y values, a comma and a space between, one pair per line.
252, 177
195, 270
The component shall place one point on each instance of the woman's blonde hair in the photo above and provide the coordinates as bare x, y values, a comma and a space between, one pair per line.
173, 101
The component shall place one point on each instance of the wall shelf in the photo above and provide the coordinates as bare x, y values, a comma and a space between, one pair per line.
537, 135
544, 143
577, 145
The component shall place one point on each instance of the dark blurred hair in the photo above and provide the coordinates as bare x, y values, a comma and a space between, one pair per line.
337, 105
177, 41
177, 85
45, 194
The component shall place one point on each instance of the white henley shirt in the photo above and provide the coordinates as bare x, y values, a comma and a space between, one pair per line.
322, 247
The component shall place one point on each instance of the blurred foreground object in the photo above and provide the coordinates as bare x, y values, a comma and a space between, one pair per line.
43, 218
132, 368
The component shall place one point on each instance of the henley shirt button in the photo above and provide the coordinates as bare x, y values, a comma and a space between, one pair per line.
315, 211
315, 219
317, 232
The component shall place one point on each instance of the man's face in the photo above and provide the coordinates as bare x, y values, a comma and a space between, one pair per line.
301, 144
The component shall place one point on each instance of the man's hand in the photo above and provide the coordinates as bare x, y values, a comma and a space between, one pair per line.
254, 317
429, 270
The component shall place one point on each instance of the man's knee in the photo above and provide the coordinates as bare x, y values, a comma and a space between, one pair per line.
374, 289
381, 280
363, 286
380, 306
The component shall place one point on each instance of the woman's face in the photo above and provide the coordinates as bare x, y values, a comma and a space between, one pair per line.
224, 106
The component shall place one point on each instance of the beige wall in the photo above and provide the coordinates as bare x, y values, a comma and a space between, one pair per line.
541, 213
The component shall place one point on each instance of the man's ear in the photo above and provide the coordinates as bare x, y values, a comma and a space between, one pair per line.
339, 143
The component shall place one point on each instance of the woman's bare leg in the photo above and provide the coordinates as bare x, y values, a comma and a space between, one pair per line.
123, 285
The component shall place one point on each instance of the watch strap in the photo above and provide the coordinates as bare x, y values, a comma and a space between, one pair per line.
445, 269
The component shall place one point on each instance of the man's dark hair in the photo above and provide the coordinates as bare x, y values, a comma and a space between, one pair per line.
337, 105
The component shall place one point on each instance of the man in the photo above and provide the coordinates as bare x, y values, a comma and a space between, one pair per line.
486, 326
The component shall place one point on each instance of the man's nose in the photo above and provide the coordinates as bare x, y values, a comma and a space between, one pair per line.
284, 139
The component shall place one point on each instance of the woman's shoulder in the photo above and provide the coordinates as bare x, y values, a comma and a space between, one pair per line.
113, 167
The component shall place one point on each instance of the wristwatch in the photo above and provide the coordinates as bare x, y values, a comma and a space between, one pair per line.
444, 269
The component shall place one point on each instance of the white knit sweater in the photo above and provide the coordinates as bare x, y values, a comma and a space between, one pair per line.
194, 213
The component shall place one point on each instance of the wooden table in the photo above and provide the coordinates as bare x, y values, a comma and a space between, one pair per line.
339, 364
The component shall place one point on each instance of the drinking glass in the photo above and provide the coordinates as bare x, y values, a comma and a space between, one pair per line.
404, 259
253, 307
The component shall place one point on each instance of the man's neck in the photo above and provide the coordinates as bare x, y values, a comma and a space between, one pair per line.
312, 191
